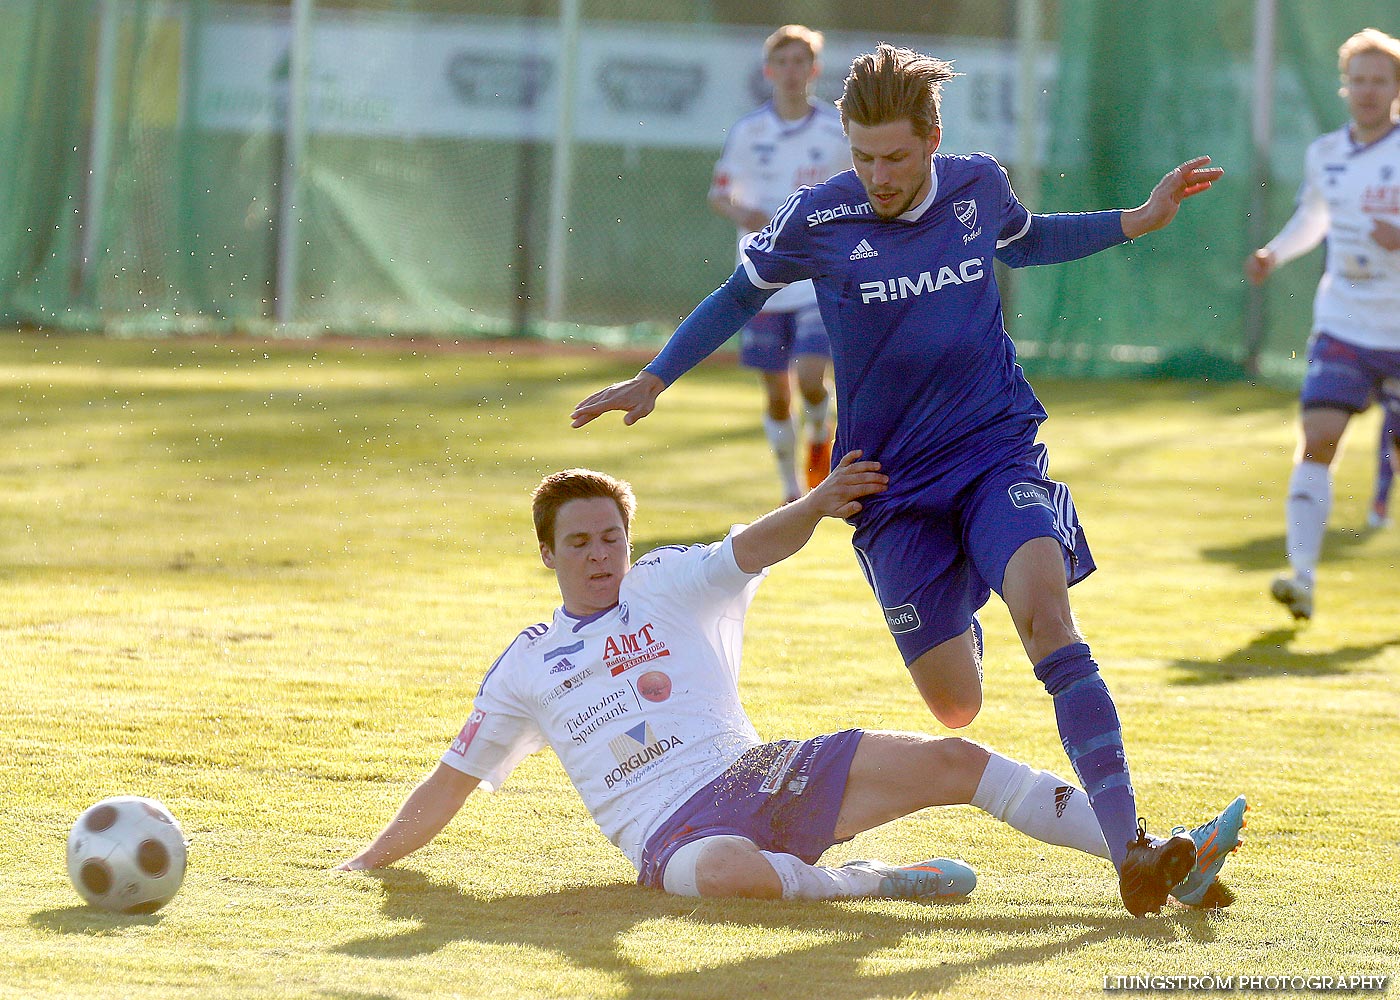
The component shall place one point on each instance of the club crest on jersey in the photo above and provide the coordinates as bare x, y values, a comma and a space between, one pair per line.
904, 618
630, 649
1029, 495
966, 211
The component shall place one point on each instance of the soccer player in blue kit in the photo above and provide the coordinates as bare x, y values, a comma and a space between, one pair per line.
900, 250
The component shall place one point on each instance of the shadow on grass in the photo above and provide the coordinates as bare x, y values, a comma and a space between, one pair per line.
1268, 552
1268, 655
585, 926
90, 920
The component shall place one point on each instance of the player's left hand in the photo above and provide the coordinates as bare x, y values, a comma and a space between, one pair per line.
1386, 234
1191, 178
838, 495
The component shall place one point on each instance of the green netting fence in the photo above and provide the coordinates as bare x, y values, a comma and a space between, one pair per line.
395, 167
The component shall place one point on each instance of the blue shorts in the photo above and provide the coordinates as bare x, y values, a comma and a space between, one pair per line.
784, 796
934, 558
1342, 376
771, 340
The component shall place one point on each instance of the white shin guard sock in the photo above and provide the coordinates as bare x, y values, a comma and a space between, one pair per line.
782, 438
803, 881
814, 416
1040, 805
1309, 502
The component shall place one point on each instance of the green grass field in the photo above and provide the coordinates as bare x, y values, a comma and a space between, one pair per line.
260, 583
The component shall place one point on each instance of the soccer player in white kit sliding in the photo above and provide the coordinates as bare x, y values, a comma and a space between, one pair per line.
634, 684
772, 151
1350, 197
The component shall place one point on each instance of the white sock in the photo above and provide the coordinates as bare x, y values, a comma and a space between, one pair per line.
814, 416
1040, 805
803, 881
782, 438
1309, 502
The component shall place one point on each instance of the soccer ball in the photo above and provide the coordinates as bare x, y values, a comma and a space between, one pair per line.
127, 854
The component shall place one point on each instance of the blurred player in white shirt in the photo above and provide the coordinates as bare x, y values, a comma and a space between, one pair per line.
1351, 197
634, 684
788, 142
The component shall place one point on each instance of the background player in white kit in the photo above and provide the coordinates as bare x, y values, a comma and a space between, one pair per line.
634, 683
1351, 197
787, 142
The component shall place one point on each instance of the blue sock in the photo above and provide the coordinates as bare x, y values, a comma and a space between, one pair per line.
1093, 739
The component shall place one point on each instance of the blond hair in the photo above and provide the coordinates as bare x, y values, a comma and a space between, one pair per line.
1365, 41
890, 84
577, 484
790, 34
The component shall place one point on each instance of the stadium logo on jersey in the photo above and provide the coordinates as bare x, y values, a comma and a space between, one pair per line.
904, 287
571, 683
863, 250
839, 212
637, 748
904, 618
966, 211
468, 733
1029, 495
630, 649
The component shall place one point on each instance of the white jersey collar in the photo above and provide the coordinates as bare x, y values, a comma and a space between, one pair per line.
916, 213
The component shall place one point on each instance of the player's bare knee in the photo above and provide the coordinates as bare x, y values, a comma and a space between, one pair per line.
957, 712
957, 755
729, 866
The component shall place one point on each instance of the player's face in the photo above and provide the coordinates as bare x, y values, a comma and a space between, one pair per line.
1372, 85
590, 556
893, 163
790, 69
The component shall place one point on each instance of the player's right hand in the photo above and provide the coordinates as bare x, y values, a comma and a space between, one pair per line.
838, 495
1259, 265
636, 397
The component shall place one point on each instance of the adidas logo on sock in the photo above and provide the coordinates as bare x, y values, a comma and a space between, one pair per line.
1062, 796
863, 249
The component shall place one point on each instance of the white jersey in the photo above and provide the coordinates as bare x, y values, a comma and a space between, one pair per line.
1347, 187
766, 158
641, 703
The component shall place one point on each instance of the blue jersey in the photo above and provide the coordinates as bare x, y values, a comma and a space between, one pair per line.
926, 376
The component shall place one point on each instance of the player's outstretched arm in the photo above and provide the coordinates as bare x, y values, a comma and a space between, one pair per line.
1161, 206
700, 334
778, 534
636, 398
428, 809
